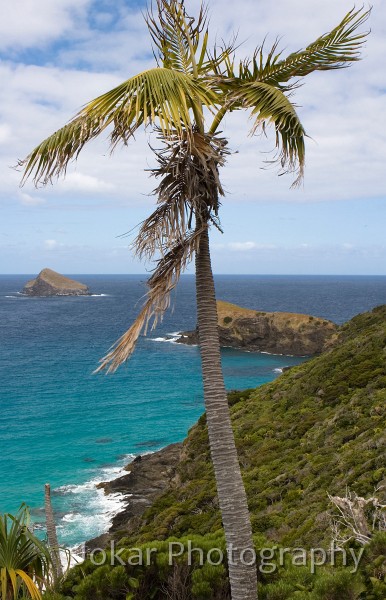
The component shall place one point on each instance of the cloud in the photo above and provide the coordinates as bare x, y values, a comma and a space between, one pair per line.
345, 157
302, 259
246, 246
28, 200
242, 246
59, 55
5, 133
27, 23
75, 182
50, 244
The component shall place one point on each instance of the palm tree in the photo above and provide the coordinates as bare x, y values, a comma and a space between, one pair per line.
25, 563
185, 98
51, 533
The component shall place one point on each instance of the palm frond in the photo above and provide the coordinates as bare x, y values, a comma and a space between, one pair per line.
167, 224
271, 106
29, 583
24, 560
190, 185
161, 283
189, 170
177, 36
158, 96
333, 50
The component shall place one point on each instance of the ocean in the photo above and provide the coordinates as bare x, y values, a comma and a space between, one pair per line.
63, 425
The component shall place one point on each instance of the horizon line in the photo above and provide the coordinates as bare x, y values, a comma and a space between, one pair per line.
148, 274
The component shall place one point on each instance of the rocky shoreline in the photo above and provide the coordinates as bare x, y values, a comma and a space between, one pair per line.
147, 477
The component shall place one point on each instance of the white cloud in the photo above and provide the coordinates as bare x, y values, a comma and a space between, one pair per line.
51, 244
75, 182
246, 246
29, 200
242, 246
345, 161
5, 133
49, 97
27, 23
343, 111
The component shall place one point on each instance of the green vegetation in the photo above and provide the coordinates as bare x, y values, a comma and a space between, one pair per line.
157, 579
25, 563
317, 429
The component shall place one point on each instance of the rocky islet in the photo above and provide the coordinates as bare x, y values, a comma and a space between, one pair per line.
51, 283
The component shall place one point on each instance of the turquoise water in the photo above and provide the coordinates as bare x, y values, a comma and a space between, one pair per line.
61, 424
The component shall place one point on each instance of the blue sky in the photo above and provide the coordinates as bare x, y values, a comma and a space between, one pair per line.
55, 56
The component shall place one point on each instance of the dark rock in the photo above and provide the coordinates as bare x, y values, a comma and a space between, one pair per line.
148, 476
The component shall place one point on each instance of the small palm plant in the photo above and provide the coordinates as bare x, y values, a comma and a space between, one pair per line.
25, 562
185, 98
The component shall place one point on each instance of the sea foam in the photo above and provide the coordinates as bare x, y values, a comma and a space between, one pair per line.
88, 511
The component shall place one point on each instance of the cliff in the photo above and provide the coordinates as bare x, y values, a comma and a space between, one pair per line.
274, 332
50, 283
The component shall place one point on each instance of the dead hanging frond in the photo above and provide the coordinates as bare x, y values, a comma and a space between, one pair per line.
190, 187
161, 283
189, 171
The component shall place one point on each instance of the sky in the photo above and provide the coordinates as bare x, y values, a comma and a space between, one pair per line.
57, 55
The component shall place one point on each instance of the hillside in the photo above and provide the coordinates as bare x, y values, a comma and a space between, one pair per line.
319, 428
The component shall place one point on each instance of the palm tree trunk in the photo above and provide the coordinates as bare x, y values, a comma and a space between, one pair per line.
51, 533
230, 487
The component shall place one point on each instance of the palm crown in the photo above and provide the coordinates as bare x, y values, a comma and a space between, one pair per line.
189, 76
185, 97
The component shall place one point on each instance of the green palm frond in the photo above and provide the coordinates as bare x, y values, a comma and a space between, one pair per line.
271, 106
158, 96
333, 50
177, 37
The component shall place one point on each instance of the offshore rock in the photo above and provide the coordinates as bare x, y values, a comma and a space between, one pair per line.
273, 332
50, 283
